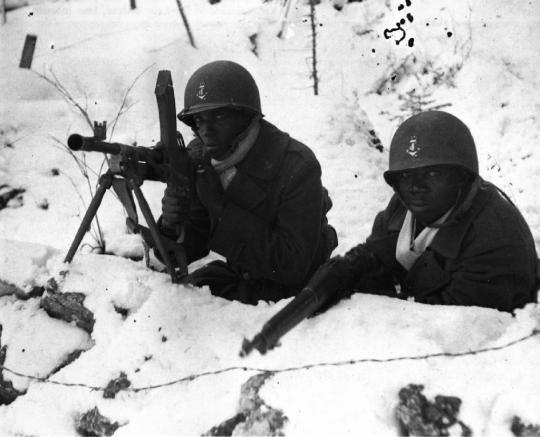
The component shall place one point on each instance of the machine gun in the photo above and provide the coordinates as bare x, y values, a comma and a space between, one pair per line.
130, 166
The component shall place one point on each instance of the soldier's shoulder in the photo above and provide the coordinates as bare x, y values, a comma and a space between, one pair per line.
300, 148
301, 159
293, 150
498, 215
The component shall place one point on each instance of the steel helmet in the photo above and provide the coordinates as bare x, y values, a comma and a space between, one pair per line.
220, 84
431, 138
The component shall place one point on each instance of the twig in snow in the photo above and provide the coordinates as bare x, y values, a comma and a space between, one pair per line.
55, 82
95, 231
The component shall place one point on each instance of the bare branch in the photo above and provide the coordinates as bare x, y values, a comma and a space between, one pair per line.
55, 82
123, 109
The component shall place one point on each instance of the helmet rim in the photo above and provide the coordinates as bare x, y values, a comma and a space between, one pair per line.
186, 115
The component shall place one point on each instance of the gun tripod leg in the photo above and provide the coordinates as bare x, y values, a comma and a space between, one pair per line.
152, 226
105, 183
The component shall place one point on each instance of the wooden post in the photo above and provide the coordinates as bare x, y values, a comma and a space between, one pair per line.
186, 24
28, 51
132, 4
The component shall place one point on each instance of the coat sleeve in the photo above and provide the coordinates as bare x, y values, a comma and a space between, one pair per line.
280, 250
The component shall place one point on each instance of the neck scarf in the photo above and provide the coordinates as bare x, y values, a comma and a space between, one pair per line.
408, 248
241, 146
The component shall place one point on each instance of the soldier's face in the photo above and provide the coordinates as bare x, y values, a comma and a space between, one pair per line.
429, 192
218, 128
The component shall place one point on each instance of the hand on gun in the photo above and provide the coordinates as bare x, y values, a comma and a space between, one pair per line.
174, 211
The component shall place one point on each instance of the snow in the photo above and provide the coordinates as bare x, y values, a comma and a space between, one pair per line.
158, 332
31, 260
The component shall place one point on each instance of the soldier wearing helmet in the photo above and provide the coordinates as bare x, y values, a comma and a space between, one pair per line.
446, 236
259, 199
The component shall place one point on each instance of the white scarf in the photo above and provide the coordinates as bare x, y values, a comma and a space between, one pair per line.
243, 144
408, 248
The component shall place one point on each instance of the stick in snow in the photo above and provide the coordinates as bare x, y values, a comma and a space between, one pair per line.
186, 24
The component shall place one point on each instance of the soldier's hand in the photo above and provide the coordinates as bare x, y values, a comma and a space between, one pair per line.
174, 209
210, 190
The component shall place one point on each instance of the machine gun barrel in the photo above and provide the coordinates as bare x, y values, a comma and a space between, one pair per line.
150, 162
77, 142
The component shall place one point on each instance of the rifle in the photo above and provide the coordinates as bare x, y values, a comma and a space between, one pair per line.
130, 166
320, 290
331, 282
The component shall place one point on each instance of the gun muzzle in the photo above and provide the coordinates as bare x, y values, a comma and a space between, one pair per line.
302, 306
77, 142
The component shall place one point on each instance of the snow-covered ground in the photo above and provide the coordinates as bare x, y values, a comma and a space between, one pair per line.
477, 59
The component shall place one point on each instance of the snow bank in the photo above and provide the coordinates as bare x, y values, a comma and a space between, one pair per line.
23, 264
165, 332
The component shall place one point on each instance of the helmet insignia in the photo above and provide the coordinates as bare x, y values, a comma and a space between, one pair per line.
413, 148
201, 91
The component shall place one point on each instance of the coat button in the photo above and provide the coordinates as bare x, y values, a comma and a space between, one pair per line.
246, 276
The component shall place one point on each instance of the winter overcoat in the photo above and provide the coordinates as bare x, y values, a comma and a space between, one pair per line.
273, 230
484, 256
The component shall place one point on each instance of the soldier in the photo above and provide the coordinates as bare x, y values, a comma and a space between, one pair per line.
446, 236
258, 201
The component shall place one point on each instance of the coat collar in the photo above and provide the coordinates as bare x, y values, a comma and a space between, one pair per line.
449, 239
265, 157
